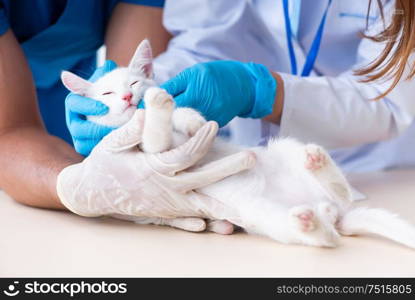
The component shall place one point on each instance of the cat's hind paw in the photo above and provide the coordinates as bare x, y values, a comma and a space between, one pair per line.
315, 157
158, 98
330, 176
314, 227
304, 218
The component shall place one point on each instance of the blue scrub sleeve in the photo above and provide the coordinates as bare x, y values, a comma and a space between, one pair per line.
155, 3
4, 23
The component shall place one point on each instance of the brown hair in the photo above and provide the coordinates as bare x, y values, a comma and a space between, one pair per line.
399, 39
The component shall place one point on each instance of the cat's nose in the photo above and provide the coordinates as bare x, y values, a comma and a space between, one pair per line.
127, 97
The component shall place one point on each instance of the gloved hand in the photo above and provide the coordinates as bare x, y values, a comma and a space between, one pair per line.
117, 179
86, 134
222, 90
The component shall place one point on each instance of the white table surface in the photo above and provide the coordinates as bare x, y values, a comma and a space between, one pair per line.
36, 242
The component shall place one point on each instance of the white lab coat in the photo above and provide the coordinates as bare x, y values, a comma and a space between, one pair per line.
330, 107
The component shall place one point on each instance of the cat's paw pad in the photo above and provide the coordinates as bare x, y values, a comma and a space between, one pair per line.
315, 157
304, 218
156, 97
328, 211
187, 121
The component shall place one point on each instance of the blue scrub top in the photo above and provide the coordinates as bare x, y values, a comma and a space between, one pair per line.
59, 35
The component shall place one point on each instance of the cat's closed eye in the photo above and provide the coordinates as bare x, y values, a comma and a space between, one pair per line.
107, 93
134, 83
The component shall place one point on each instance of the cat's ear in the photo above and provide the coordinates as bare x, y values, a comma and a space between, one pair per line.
142, 61
74, 83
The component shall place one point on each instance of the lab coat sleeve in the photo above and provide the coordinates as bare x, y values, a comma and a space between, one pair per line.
206, 30
180, 54
172, 62
194, 28
338, 112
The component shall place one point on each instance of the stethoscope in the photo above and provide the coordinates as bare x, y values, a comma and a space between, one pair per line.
310, 58
315, 46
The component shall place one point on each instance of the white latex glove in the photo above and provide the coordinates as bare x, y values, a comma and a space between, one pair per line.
117, 179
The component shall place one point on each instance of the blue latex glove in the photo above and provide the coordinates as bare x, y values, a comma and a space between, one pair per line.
86, 134
222, 90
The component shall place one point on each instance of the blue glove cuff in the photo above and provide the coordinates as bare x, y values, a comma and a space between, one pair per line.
265, 90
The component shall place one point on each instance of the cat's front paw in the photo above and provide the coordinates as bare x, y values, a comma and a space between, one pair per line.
187, 121
158, 98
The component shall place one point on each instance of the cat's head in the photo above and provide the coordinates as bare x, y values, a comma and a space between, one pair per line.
121, 89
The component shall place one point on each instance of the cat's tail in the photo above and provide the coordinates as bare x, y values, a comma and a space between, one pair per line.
362, 220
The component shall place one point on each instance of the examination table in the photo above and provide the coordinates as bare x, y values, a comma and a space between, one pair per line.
38, 243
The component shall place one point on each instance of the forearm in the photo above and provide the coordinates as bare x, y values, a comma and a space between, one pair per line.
275, 117
30, 160
129, 25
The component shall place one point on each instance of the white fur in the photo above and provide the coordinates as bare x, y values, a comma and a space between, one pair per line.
135, 79
294, 194
377, 221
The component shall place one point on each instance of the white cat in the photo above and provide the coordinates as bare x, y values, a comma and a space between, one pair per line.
294, 194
